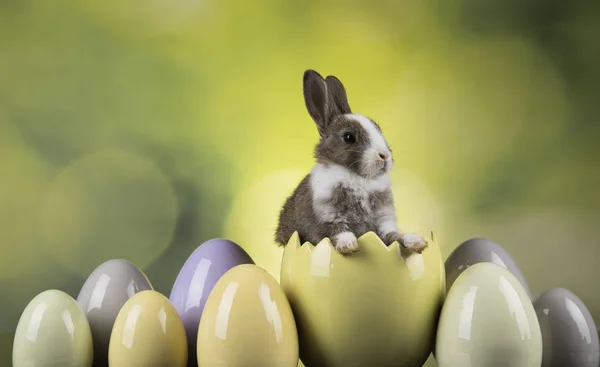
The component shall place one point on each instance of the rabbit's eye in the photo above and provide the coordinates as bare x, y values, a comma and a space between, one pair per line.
349, 138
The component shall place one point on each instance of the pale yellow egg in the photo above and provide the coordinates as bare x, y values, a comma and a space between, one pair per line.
148, 332
111, 203
247, 321
376, 307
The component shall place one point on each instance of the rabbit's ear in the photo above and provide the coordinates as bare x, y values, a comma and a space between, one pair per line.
337, 97
315, 98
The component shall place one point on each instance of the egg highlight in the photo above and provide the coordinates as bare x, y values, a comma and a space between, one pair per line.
103, 295
247, 321
148, 332
488, 320
52, 332
375, 307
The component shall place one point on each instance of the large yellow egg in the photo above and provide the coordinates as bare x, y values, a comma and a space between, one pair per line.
247, 321
373, 308
53, 331
148, 332
488, 320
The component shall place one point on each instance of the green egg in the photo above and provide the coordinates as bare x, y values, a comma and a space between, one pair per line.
488, 320
53, 332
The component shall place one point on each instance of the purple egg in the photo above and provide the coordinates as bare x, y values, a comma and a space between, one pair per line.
196, 279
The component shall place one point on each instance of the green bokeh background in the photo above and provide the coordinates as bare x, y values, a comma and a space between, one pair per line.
141, 129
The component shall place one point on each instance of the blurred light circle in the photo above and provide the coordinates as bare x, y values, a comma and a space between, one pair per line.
475, 101
24, 179
110, 204
254, 216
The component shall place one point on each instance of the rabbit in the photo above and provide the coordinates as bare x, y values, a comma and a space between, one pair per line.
347, 193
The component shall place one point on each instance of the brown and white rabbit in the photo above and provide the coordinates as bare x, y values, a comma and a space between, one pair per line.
348, 191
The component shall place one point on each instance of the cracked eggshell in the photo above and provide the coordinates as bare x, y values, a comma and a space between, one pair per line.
374, 306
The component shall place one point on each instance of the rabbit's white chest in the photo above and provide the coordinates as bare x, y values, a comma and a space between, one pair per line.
326, 179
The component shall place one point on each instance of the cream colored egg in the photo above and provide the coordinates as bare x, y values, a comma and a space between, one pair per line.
247, 321
53, 332
488, 320
148, 332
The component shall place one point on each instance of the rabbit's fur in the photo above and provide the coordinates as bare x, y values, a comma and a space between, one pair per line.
348, 191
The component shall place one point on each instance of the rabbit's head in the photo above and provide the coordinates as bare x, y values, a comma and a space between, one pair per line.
347, 139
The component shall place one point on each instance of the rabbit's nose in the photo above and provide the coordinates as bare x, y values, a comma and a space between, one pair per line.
384, 155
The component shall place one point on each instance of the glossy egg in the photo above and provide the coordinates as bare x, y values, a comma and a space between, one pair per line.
103, 295
196, 279
568, 330
478, 250
375, 307
488, 320
148, 332
52, 331
247, 321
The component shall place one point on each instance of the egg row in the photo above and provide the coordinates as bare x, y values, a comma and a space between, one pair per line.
490, 319
474, 309
223, 310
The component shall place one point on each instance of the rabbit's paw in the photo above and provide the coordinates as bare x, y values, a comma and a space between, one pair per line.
345, 243
413, 242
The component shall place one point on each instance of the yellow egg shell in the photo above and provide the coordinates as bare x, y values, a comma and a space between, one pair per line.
148, 332
372, 308
488, 320
247, 321
53, 331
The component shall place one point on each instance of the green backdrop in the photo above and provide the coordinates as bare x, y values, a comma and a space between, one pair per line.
141, 129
